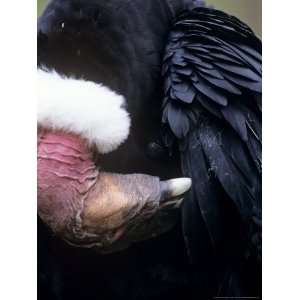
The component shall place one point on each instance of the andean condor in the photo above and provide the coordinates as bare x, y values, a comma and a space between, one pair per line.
130, 95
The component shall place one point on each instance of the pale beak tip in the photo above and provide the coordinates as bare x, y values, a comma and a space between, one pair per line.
184, 184
176, 187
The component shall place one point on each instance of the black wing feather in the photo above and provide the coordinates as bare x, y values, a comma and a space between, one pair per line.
212, 70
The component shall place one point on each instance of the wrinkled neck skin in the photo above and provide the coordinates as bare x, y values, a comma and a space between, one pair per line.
66, 177
90, 208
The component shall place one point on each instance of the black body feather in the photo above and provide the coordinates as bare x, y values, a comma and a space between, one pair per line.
201, 119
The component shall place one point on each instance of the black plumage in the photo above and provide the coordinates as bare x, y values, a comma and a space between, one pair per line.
212, 69
216, 55
192, 77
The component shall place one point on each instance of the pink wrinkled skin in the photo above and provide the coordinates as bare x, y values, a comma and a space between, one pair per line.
66, 170
88, 207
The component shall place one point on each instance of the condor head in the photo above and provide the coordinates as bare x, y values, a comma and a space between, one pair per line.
99, 98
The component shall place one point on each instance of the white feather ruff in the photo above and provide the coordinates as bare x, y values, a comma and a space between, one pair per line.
91, 110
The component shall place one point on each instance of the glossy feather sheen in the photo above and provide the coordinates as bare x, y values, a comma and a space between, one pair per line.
215, 55
212, 71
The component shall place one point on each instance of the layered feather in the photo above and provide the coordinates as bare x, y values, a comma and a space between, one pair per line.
212, 110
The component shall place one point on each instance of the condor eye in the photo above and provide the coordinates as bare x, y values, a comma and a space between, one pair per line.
61, 25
